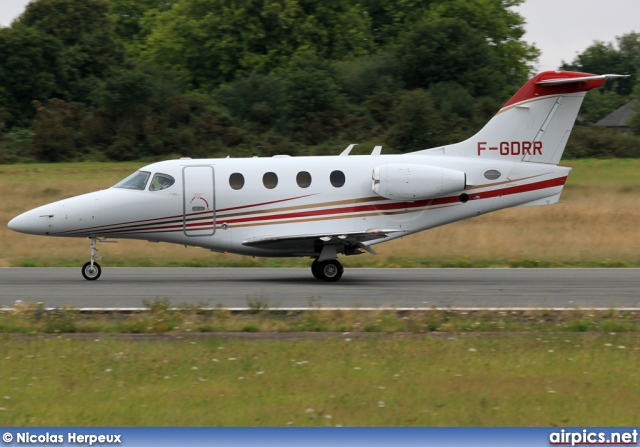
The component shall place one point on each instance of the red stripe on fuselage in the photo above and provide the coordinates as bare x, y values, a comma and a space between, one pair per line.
347, 211
404, 205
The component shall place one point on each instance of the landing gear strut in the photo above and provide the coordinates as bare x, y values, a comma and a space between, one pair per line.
91, 270
329, 271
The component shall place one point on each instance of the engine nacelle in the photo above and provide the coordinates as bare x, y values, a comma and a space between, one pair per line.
404, 181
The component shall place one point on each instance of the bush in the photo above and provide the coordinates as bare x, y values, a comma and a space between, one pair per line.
600, 142
57, 128
15, 146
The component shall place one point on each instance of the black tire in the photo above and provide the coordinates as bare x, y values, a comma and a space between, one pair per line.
330, 271
89, 273
315, 269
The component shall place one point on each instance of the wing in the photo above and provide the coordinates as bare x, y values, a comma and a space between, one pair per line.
324, 245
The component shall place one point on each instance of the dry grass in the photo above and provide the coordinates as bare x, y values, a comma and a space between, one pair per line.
590, 224
595, 223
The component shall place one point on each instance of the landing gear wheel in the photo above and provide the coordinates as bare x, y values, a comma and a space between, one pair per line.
328, 271
315, 269
91, 272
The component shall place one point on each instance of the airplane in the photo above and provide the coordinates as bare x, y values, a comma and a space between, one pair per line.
324, 206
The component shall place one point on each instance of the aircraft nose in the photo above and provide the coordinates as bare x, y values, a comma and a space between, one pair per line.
14, 224
30, 223
61, 217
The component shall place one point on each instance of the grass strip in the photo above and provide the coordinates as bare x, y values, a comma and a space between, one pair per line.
526, 379
163, 317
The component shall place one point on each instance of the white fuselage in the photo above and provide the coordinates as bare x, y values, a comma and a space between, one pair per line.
321, 207
224, 204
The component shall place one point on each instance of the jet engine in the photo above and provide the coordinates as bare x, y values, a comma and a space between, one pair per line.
404, 181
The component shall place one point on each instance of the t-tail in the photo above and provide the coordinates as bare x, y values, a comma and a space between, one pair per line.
535, 124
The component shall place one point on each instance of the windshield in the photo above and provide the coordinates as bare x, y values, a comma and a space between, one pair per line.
137, 180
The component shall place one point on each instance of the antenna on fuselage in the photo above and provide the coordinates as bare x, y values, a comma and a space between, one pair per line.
348, 149
376, 150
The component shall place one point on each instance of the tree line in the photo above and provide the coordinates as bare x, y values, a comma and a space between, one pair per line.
136, 79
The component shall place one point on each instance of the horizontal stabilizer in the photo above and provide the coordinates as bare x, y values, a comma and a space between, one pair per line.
559, 81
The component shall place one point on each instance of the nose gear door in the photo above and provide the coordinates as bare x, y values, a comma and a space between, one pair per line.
198, 201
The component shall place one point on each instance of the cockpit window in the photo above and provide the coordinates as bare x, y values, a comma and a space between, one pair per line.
161, 181
137, 180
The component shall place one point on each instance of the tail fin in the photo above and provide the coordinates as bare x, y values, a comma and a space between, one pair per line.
535, 124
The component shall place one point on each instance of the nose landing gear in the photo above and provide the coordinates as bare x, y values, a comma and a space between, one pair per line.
92, 270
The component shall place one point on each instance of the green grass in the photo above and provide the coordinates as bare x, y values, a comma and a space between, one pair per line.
161, 316
372, 368
45, 173
610, 171
522, 380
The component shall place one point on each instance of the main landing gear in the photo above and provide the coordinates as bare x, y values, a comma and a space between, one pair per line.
329, 271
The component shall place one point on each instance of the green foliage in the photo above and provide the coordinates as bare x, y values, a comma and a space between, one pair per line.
314, 103
15, 146
31, 69
604, 57
599, 103
256, 99
161, 316
416, 122
132, 22
579, 325
474, 43
368, 76
446, 49
599, 142
634, 121
58, 131
85, 33
258, 304
212, 42
130, 79
59, 321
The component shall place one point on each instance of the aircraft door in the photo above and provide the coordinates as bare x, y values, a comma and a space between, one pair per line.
198, 201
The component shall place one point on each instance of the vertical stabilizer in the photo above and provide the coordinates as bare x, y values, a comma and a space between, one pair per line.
535, 124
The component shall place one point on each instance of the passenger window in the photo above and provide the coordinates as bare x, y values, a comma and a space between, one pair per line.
270, 180
161, 181
236, 180
303, 179
337, 179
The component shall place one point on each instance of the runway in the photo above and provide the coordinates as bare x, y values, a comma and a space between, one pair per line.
296, 288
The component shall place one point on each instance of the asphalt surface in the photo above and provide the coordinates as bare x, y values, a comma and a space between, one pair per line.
296, 288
